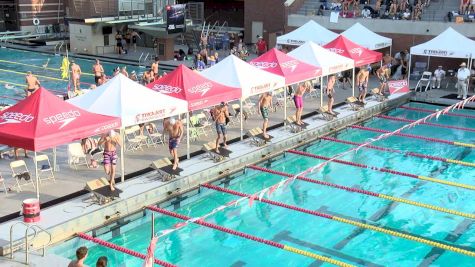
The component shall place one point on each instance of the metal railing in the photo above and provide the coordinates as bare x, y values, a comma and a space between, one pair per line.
36, 230
57, 48
142, 63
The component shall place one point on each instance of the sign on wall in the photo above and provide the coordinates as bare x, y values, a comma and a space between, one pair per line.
399, 86
176, 18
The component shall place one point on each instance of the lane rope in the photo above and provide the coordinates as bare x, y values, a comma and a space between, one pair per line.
425, 123
366, 192
122, 249
42, 76
250, 237
414, 154
363, 166
410, 237
431, 111
429, 139
39, 67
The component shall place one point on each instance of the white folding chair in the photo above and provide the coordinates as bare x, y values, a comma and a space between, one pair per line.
424, 82
132, 142
20, 171
2, 181
198, 127
140, 135
76, 156
205, 121
45, 170
155, 136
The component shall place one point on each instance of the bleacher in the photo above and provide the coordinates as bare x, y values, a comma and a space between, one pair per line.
437, 10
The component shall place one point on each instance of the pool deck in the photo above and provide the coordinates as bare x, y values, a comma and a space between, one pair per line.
67, 218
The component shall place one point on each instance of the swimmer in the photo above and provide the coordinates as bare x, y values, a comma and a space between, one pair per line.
32, 83
46, 64
298, 101
76, 75
110, 141
330, 92
175, 133
10, 87
265, 104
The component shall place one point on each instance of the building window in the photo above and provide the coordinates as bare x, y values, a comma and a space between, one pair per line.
106, 39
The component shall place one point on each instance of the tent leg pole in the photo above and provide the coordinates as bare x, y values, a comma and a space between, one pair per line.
241, 113
188, 135
122, 160
55, 165
37, 179
409, 72
285, 104
353, 81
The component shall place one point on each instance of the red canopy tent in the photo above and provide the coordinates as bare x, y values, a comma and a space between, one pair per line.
200, 92
43, 121
292, 69
361, 55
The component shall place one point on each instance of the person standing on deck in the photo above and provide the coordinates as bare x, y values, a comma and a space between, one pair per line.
110, 141
76, 75
265, 104
175, 133
154, 68
98, 71
32, 83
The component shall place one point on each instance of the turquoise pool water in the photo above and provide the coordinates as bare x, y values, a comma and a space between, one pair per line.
15, 63
195, 245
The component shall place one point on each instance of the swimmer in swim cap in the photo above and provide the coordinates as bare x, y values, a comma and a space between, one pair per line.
175, 133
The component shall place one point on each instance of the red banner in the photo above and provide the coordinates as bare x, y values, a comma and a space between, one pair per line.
399, 86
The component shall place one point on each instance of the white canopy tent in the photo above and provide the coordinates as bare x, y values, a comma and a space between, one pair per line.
132, 102
363, 36
234, 72
449, 43
330, 62
310, 31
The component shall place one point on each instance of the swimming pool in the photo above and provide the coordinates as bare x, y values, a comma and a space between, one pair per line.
195, 245
15, 63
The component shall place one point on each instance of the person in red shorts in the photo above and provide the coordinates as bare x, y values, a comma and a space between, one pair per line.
261, 46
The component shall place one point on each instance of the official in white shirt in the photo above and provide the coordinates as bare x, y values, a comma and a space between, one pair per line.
463, 76
439, 74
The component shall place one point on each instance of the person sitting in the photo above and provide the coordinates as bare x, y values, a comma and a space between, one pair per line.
439, 74
90, 148
366, 13
406, 15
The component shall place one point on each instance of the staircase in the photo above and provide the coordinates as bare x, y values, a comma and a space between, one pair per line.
309, 8
438, 9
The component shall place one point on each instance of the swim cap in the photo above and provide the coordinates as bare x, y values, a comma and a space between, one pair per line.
172, 121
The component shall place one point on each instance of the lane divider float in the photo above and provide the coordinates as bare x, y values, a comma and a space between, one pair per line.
430, 139
122, 249
410, 175
414, 154
349, 221
432, 111
39, 67
425, 123
366, 192
251, 237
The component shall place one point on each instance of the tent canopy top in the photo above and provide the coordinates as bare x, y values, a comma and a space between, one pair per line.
363, 36
310, 31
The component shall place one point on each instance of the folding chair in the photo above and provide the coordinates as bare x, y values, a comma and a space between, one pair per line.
354, 103
198, 126
377, 96
132, 142
155, 137
419, 68
236, 119
205, 121
164, 166
5, 151
45, 170
257, 138
323, 110
76, 156
139, 135
424, 82
2, 181
210, 151
20, 171
249, 107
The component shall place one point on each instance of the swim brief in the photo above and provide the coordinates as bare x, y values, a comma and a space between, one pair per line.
172, 143
330, 96
110, 157
221, 128
265, 113
298, 101
96, 79
76, 76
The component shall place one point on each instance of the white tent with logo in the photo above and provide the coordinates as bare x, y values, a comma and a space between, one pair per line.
310, 31
133, 103
330, 62
361, 35
449, 43
234, 72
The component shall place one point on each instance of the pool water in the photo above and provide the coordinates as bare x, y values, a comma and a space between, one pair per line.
195, 245
15, 63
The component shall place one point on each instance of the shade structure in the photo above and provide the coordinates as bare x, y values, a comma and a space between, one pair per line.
344, 47
131, 102
43, 121
449, 43
292, 69
316, 55
199, 91
234, 72
310, 31
361, 35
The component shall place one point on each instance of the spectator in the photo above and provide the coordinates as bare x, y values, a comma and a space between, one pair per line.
200, 64
81, 254
406, 15
439, 74
102, 262
261, 46
366, 13
464, 5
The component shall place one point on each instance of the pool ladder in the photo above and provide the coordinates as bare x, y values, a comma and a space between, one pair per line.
57, 48
144, 60
29, 242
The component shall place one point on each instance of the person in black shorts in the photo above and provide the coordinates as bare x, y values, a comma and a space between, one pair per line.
118, 40
134, 36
